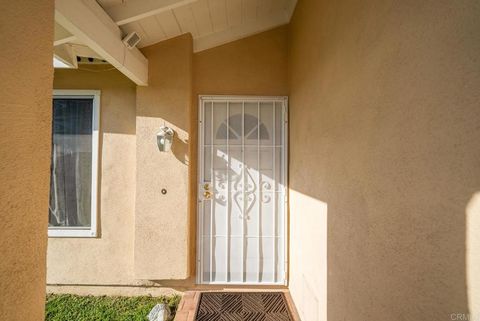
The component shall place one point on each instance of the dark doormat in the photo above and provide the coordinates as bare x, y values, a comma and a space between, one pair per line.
243, 306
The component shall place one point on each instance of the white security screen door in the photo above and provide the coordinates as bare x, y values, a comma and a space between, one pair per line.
242, 190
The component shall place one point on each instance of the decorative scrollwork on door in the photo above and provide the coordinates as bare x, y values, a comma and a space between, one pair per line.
252, 129
249, 192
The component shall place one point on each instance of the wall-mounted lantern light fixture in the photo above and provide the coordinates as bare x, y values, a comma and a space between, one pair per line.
165, 138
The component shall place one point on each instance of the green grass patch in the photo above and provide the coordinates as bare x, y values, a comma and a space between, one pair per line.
68, 307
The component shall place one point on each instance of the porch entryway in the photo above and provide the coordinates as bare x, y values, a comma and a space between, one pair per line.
242, 190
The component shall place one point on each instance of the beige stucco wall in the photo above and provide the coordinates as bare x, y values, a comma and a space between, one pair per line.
25, 114
384, 159
106, 265
256, 65
162, 221
107, 259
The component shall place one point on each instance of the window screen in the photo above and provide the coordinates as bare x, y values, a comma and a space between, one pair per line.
71, 163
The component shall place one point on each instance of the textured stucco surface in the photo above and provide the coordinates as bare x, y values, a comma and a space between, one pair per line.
107, 259
255, 65
384, 132
162, 221
105, 265
26, 74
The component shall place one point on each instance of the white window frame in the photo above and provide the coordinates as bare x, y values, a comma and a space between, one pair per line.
92, 230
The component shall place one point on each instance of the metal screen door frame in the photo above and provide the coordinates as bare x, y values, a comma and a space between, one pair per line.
280, 267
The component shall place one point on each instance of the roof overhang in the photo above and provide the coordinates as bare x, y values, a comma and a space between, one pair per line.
86, 22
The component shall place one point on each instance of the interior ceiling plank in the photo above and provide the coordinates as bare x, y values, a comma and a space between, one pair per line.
109, 3
218, 12
249, 10
152, 26
169, 24
201, 13
264, 8
186, 20
87, 21
290, 7
137, 10
234, 12
61, 35
239, 32
153, 30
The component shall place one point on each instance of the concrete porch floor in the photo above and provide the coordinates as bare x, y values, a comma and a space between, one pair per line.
189, 303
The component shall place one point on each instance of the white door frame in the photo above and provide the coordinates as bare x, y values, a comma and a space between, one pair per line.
283, 280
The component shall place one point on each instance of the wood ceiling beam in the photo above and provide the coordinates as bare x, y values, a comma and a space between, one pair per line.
89, 23
62, 41
62, 36
66, 54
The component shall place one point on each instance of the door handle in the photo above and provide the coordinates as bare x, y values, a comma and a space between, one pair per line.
207, 195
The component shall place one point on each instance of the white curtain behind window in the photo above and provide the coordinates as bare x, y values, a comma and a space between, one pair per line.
71, 166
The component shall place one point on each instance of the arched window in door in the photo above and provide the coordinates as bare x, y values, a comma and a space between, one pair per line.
251, 128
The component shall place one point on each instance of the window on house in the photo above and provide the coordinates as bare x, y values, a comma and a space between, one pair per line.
74, 162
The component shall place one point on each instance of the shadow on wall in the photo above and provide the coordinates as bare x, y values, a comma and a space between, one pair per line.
180, 149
